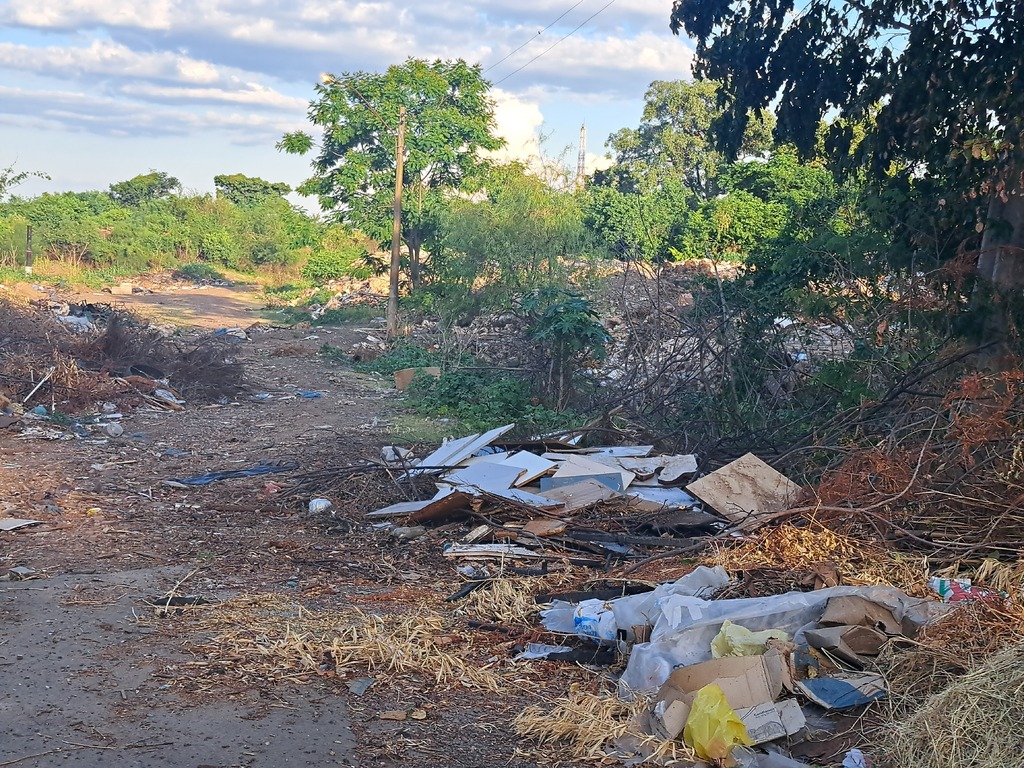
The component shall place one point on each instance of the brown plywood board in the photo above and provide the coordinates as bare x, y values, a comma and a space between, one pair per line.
745, 491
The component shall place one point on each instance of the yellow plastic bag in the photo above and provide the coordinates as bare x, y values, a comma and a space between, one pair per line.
713, 728
734, 640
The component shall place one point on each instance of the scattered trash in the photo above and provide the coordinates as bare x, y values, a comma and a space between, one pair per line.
404, 377
712, 727
112, 430
855, 759
959, 590
745, 491
319, 506
309, 395
20, 573
13, 523
408, 533
360, 685
211, 477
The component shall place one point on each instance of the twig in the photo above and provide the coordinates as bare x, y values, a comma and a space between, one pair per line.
36, 389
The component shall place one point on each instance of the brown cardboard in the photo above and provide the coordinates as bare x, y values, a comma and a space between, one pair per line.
403, 378
772, 720
858, 611
750, 684
848, 643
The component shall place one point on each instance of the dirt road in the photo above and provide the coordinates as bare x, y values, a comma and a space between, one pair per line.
93, 671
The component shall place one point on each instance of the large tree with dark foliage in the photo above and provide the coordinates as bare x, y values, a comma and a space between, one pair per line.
938, 83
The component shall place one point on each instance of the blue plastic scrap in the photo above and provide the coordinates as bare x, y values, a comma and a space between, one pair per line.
260, 469
310, 395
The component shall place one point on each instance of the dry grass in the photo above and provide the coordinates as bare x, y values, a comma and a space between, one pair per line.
799, 548
585, 725
268, 638
512, 601
972, 723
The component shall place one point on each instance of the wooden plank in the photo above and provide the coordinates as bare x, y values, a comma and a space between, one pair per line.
545, 527
745, 490
400, 509
677, 469
450, 504
485, 475
612, 479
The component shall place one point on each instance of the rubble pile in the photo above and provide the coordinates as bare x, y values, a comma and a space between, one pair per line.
74, 369
766, 650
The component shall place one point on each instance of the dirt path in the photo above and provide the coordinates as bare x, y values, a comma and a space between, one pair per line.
93, 673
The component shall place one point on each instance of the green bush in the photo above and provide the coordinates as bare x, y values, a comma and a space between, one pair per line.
199, 271
323, 266
481, 400
220, 247
402, 355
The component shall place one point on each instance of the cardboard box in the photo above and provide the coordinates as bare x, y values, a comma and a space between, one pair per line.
848, 643
403, 378
751, 685
858, 611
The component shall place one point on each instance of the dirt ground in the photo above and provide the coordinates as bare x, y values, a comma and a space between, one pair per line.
93, 672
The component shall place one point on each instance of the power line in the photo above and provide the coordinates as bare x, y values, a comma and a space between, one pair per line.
549, 26
582, 24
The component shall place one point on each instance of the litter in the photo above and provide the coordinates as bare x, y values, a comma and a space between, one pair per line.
13, 523
404, 377
843, 690
745, 491
211, 477
309, 395
713, 728
319, 506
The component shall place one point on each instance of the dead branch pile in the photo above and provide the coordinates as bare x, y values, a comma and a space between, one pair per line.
945, 481
44, 361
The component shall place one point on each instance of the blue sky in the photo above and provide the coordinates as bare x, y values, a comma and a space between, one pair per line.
97, 91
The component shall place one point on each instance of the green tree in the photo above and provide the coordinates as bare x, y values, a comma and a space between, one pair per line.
510, 238
149, 186
638, 225
10, 178
675, 139
248, 190
450, 118
941, 81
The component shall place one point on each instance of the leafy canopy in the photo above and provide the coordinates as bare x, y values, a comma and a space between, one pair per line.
450, 117
941, 79
248, 190
675, 140
149, 186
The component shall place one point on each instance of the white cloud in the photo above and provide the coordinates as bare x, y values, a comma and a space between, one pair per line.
247, 67
518, 123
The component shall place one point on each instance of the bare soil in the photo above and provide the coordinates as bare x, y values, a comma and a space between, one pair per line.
92, 674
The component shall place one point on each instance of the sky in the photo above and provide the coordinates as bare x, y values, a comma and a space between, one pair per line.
97, 91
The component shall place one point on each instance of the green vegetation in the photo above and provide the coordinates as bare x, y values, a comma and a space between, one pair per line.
853, 183
450, 117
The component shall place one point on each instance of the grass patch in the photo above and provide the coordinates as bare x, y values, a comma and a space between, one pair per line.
403, 355
414, 427
481, 400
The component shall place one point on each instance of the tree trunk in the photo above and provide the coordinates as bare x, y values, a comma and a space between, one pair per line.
415, 277
1001, 260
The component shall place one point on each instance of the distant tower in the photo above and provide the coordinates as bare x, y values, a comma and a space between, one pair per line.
581, 161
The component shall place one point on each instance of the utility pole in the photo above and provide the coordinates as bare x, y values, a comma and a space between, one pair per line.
396, 230
28, 250
581, 159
